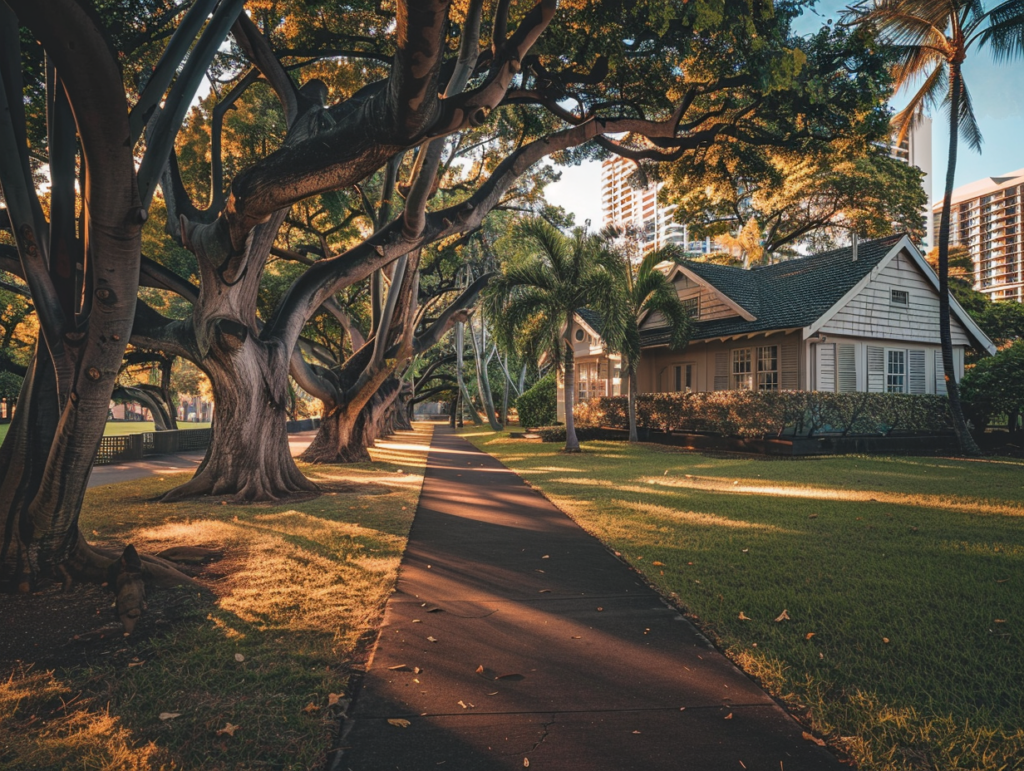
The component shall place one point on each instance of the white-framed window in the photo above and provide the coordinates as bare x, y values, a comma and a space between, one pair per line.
682, 378
742, 369
896, 371
899, 297
768, 368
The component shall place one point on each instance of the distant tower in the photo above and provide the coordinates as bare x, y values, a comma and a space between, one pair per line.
986, 218
626, 206
916, 150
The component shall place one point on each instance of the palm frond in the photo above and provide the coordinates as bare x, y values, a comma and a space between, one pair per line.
1004, 36
929, 94
967, 123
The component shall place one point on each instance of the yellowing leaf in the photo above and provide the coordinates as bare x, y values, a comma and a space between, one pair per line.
311, 707
783, 616
658, 564
743, 617
334, 698
809, 635
398, 722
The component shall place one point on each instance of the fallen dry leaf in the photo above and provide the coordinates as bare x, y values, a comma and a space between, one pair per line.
885, 640
728, 717
809, 635
813, 516
398, 722
334, 698
526, 762
600, 608
546, 557
544, 591
140, 663
399, 667
743, 617
169, 715
783, 616
996, 621
311, 707
239, 658
432, 639
658, 564
812, 738
745, 551
228, 730
463, 704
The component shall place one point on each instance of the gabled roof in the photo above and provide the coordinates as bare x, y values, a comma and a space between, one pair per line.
786, 295
799, 293
592, 319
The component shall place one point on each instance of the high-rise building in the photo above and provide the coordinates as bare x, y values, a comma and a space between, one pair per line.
986, 218
640, 210
916, 150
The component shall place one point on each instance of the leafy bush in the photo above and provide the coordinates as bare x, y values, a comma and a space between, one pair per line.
995, 385
537, 405
774, 413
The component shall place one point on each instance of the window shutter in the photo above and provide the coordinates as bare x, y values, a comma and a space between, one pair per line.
916, 377
846, 368
790, 367
722, 371
876, 369
826, 367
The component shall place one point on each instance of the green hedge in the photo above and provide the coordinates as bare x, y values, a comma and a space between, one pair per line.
537, 405
773, 413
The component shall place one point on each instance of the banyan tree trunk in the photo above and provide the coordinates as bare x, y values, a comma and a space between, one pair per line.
249, 458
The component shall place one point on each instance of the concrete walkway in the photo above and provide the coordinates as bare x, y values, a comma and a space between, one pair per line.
154, 465
514, 640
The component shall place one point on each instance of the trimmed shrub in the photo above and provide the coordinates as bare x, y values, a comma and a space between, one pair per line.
775, 413
536, 405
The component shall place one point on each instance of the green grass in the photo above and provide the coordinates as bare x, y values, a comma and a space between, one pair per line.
121, 428
303, 588
902, 577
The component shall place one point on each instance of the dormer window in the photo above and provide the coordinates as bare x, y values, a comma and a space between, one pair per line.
900, 297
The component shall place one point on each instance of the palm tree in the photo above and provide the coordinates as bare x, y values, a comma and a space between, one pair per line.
645, 290
532, 303
931, 39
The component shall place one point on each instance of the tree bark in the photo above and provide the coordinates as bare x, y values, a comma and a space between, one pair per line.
633, 437
572, 444
967, 444
249, 458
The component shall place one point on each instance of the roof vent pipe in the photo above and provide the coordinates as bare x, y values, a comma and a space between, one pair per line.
853, 245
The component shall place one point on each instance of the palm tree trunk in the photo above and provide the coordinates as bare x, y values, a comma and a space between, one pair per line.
572, 444
967, 445
633, 437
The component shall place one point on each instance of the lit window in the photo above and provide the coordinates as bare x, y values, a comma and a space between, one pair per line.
768, 368
900, 297
741, 370
895, 372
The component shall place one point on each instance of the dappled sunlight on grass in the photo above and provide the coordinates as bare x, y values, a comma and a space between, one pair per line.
699, 518
301, 586
748, 487
900, 577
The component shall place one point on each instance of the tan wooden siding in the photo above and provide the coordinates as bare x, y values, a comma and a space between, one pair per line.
712, 306
872, 314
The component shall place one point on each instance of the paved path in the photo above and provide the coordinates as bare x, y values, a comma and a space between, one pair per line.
172, 464
514, 640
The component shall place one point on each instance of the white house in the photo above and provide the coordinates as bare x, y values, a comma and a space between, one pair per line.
851, 319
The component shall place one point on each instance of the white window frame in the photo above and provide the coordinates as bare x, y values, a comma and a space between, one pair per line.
768, 378
902, 374
902, 303
742, 369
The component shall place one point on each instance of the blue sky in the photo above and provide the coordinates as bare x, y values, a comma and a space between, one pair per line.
997, 91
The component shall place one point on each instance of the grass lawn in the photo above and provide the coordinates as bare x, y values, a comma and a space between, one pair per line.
297, 598
121, 428
901, 577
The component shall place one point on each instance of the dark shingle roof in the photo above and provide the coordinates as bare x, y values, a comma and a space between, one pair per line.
592, 318
790, 294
